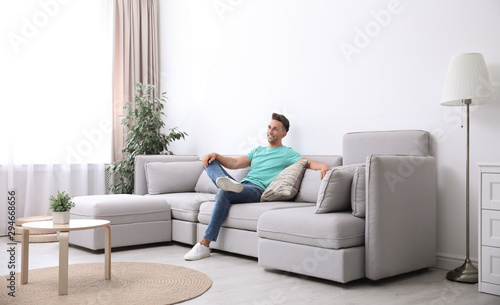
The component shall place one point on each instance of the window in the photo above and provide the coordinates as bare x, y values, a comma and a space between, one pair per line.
56, 81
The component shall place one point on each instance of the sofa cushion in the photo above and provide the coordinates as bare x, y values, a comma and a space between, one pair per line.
359, 145
335, 190
185, 206
309, 187
308, 191
121, 208
172, 177
358, 200
245, 215
206, 185
303, 226
286, 185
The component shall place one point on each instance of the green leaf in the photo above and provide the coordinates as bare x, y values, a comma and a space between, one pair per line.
143, 121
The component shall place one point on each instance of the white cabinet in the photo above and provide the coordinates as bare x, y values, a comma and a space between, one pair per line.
489, 228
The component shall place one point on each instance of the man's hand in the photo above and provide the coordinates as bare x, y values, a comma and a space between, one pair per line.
324, 169
318, 166
209, 158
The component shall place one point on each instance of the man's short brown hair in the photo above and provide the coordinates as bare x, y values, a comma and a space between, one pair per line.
281, 118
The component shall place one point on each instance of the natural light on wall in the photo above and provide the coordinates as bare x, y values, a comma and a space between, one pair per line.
56, 79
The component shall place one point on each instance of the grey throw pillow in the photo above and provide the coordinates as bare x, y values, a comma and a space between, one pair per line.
358, 201
286, 185
172, 177
335, 190
206, 185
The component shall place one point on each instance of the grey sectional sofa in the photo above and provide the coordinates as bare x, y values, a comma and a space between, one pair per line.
389, 227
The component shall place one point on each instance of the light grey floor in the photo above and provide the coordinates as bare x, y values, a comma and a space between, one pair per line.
239, 280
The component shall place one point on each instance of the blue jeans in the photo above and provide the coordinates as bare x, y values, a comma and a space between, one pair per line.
223, 199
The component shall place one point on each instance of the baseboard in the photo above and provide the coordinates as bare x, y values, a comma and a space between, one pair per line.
451, 261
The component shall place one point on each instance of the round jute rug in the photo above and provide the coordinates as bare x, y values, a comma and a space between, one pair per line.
131, 283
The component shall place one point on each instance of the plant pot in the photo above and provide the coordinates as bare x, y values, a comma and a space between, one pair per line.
60, 218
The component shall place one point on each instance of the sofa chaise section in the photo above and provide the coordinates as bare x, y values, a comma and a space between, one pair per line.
134, 219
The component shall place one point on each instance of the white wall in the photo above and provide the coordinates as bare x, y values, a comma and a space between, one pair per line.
333, 67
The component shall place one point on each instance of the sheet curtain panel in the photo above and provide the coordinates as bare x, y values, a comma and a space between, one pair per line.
136, 48
27, 187
53, 139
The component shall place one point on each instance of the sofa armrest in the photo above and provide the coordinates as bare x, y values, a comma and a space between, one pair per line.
140, 186
400, 232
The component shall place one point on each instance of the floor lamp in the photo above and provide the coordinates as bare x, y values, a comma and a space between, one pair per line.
466, 82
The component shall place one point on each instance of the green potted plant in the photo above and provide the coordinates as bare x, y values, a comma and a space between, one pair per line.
144, 121
61, 206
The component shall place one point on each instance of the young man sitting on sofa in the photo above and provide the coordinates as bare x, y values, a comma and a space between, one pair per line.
265, 164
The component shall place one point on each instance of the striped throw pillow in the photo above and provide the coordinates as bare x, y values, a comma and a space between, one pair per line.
286, 185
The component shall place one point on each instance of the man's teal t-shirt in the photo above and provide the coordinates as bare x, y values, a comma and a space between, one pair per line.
267, 163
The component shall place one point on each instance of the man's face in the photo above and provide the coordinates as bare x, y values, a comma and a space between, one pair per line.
275, 132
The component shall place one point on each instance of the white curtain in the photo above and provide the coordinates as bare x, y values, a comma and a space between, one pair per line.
135, 57
56, 122
34, 183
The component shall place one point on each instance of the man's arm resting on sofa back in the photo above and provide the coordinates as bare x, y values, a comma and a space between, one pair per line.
317, 166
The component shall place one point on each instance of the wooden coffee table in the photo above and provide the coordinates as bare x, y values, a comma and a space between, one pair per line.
74, 224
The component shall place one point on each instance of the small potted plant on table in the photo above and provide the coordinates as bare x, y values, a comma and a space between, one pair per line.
61, 206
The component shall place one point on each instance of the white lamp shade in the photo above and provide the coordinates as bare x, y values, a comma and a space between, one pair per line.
467, 78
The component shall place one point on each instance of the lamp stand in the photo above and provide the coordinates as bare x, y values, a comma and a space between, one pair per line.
467, 273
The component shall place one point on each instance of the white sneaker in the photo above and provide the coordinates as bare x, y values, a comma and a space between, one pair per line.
226, 184
199, 251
